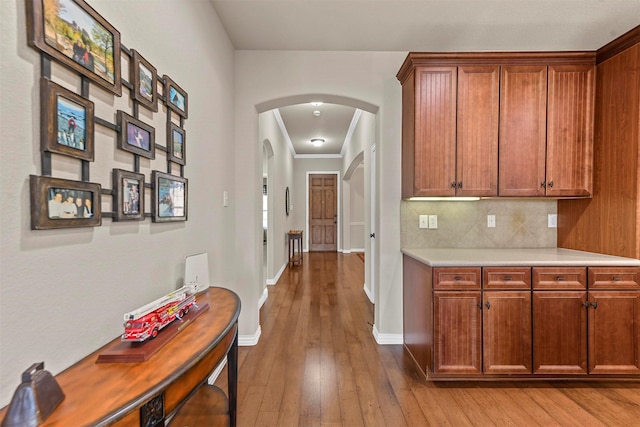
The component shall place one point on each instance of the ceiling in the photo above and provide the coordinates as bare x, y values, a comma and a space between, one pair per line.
413, 25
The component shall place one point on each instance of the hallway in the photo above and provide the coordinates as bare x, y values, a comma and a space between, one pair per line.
317, 364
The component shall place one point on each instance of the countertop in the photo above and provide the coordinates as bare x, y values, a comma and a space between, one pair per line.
535, 257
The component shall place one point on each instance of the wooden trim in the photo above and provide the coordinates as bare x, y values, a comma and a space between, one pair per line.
618, 45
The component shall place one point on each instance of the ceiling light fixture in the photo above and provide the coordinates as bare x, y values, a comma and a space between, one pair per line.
317, 142
317, 113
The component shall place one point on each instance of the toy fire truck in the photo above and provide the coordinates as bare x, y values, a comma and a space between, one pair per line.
146, 321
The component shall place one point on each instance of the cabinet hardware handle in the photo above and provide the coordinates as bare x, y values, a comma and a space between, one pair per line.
560, 278
594, 304
543, 184
457, 278
585, 304
480, 305
551, 184
617, 279
488, 304
454, 184
507, 278
460, 184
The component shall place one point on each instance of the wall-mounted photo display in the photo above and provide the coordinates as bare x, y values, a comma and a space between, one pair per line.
169, 197
62, 203
176, 98
66, 122
176, 143
73, 33
128, 196
145, 81
136, 136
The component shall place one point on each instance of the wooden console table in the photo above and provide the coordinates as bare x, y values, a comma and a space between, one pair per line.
295, 239
124, 394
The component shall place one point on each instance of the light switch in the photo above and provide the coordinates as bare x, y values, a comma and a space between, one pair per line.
491, 221
552, 221
225, 198
424, 221
433, 221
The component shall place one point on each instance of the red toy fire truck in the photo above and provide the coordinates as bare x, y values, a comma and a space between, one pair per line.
146, 321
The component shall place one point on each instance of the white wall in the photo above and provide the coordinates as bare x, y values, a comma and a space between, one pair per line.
63, 292
357, 209
280, 171
262, 78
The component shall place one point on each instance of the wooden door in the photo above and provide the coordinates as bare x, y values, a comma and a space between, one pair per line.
614, 332
507, 332
435, 131
522, 136
457, 332
477, 137
323, 213
570, 130
559, 332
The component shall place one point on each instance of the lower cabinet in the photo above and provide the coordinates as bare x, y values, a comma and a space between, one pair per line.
523, 322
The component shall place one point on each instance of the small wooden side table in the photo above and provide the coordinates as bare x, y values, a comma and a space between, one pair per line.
295, 239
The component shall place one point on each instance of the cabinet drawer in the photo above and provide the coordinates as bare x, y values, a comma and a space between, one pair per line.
506, 278
456, 278
559, 278
614, 277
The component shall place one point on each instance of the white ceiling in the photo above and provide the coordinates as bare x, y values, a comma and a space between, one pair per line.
414, 25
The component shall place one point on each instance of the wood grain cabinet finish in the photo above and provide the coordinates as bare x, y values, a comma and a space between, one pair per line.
502, 124
522, 322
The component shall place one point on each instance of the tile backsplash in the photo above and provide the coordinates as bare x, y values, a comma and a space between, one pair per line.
519, 224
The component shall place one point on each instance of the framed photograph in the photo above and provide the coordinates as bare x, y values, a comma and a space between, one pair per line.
176, 98
136, 136
145, 81
73, 33
169, 197
128, 196
61, 203
176, 143
67, 122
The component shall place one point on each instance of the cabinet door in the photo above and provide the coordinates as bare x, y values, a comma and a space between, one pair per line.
477, 138
507, 332
435, 131
559, 332
570, 130
522, 137
457, 335
614, 332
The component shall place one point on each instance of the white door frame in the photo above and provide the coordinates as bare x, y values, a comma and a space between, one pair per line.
372, 225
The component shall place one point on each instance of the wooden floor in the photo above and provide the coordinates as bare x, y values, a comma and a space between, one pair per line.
317, 364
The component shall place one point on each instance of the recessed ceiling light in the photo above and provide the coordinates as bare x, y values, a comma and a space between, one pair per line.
317, 113
317, 142
316, 103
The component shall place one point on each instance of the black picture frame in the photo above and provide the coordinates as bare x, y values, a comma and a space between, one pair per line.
128, 195
136, 136
175, 97
145, 81
169, 198
48, 210
67, 122
176, 143
74, 34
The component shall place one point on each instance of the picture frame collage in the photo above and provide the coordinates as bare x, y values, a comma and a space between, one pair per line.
73, 34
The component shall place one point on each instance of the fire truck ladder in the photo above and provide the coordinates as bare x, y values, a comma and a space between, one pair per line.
177, 295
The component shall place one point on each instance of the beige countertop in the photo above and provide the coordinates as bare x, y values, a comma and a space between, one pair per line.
535, 257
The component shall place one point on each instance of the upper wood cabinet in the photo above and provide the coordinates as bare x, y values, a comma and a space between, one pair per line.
497, 124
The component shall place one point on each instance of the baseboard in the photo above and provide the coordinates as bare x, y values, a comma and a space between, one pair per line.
250, 340
346, 251
216, 372
357, 250
387, 339
275, 279
263, 298
368, 293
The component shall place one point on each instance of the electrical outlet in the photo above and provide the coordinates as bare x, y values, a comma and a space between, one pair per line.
491, 221
552, 221
424, 221
433, 221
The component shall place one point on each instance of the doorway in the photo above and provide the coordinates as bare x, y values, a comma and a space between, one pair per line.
323, 212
